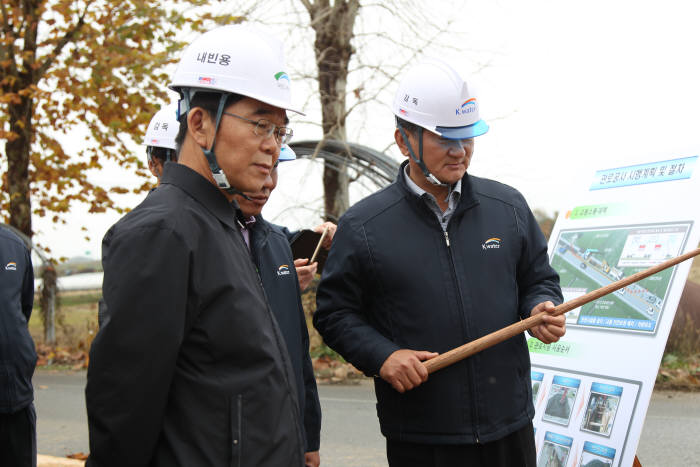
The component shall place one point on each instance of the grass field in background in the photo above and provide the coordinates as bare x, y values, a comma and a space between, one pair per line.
77, 318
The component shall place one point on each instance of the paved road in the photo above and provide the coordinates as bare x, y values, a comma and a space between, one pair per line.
350, 436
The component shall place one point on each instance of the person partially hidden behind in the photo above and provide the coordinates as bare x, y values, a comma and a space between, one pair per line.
160, 139
272, 255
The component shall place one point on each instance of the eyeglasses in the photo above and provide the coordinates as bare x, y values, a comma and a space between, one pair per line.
266, 128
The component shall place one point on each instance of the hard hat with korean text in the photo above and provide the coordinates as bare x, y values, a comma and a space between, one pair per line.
433, 96
163, 128
240, 59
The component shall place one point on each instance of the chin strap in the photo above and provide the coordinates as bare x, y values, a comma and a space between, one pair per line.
218, 174
419, 160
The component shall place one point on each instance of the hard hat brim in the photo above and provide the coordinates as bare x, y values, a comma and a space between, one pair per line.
287, 154
463, 132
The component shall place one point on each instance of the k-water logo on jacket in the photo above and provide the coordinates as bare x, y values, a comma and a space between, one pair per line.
283, 270
491, 243
11, 266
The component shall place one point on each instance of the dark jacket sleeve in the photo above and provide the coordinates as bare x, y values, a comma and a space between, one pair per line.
537, 280
133, 357
312, 405
28, 286
342, 303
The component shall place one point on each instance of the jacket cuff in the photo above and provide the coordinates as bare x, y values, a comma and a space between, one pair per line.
379, 356
313, 442
532, 303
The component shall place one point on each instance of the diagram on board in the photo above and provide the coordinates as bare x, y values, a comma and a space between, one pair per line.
592, 258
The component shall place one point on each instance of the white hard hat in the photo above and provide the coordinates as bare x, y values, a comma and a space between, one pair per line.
432, 95
287, 153
162, 130
240, 59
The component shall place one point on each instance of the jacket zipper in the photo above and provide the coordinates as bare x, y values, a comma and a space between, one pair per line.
239, 441
461, 306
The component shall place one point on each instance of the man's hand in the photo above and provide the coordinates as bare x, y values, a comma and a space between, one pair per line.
305, 273
552, 328
329, 236
404, 370
312, 459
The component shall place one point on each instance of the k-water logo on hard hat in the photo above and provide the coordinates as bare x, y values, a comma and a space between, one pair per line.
11, 266
491, 243
283, 270
282, 79
468, 107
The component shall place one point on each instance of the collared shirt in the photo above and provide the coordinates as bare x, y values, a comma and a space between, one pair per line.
245, 229
452, 199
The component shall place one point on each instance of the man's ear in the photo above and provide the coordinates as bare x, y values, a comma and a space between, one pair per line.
153, 168
400, 141
200, 126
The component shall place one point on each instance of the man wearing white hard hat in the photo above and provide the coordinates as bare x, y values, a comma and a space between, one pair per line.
160, 139
189, 366
438, 259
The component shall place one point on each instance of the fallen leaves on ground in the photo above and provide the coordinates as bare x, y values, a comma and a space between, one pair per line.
47, 355
331, 371
679, 374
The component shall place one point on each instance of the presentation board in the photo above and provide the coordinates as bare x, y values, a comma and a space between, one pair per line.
591, 390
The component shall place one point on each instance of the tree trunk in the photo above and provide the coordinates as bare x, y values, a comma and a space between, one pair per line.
333, 26
18, 150
21, 111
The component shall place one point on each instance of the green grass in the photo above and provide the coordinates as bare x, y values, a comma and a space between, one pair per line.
73, 299
75, 318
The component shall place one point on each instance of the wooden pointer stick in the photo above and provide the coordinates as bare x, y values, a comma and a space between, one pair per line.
318, 247
489, 340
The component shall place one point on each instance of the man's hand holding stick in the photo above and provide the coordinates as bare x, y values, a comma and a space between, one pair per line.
489, 340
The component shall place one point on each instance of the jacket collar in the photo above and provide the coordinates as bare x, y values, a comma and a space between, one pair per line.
203, 191
260, 228
259, 234
467, 198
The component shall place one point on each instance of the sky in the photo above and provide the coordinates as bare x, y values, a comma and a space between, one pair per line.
567, 87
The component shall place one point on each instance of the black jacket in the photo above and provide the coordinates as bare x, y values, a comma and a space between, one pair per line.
189, 367
17, 353
271, 253
395, 280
